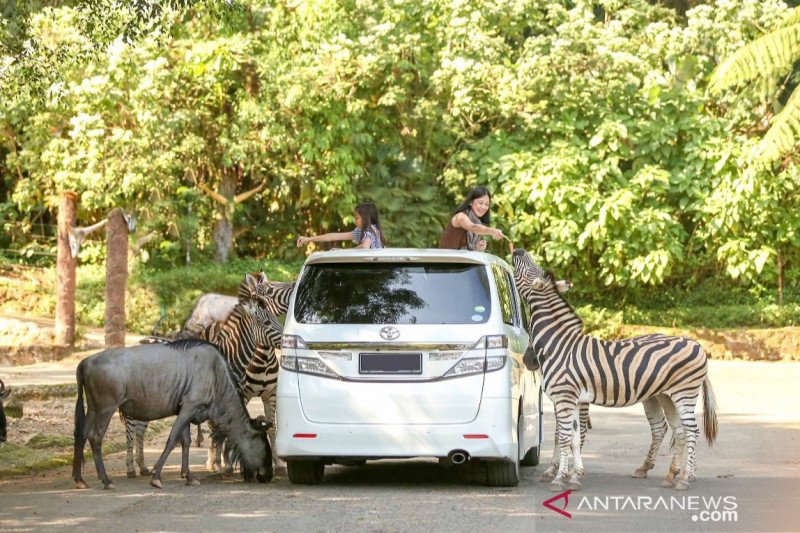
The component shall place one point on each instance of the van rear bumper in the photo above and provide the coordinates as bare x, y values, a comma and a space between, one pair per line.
495, 420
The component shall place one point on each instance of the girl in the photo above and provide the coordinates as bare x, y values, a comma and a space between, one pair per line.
470, 221
367, 233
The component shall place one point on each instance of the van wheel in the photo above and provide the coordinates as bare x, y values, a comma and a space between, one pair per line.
502, 473
531, 458
305, 471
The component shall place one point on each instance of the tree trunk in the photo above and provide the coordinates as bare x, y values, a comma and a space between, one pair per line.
223, 230
780, 278
223, 240
116, 278
65, 273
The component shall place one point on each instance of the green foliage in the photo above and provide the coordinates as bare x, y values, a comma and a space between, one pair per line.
150, 293
589, 121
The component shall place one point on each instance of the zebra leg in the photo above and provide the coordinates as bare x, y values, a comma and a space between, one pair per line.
130, 430
674, 421
550, 473
214, 459
585, 422
269, 400
141, 427
685, 408
186, 444
199, 441
576, 445
658, 428
565, 411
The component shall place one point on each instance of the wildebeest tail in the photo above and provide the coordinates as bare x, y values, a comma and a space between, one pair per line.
80, 423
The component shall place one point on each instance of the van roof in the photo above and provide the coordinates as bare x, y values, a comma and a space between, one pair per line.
400, 255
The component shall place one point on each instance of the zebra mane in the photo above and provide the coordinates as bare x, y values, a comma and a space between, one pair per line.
550, 276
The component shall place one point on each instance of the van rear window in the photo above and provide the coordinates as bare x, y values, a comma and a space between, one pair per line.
390, 293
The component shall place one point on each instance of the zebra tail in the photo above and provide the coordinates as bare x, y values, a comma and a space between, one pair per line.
80, 422
709, 411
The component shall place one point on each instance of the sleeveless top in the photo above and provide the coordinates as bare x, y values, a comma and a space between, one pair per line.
453, 238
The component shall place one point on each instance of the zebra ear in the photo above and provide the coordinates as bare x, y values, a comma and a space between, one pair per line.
563, 285
538, 284
248, 278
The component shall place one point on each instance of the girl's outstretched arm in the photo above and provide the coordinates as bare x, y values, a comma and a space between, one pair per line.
326, 237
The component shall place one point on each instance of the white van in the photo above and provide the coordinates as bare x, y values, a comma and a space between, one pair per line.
401, 353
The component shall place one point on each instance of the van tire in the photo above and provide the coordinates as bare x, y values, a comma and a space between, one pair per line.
531, 458
305, 471
502, 473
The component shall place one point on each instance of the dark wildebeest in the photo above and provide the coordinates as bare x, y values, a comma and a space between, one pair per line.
186, 378
3, 395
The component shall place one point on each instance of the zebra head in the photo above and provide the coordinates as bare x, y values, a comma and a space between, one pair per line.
273, 295
528, 276
266, 328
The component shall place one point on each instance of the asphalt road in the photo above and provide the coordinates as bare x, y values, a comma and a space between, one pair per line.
753, 470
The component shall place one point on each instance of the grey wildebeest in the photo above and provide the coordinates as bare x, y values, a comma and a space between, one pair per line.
246, 338
186, 378
3, 395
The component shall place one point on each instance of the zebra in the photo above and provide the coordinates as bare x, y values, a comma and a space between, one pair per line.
274, 296
665, 373
248, 341
212, 307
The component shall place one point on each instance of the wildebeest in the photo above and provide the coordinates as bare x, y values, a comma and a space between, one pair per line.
3, 395
186, 378
212, 307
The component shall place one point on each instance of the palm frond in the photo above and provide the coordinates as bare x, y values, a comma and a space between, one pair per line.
783, 135
792, 17
770, 55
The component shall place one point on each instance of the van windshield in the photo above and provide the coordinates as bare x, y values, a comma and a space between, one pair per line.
392, 293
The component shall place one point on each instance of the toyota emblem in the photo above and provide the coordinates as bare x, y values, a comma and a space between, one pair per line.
390, 333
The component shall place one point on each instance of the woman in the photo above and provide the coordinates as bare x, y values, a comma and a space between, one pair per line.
470, 221
366, 234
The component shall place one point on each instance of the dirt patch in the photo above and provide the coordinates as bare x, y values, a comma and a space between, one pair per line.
28, 340
778, 344
42, 438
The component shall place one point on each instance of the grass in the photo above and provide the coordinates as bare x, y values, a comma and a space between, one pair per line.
30, 291
45, 452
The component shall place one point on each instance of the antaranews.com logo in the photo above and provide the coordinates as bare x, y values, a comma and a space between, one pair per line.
703, 508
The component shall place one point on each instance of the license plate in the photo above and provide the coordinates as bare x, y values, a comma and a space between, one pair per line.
390, 363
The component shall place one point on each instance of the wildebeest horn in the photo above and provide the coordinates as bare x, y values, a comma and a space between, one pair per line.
262, 422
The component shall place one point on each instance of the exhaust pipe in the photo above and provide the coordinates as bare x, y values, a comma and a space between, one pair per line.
458, 457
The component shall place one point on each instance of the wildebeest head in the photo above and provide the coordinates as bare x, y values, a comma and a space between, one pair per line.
254, 454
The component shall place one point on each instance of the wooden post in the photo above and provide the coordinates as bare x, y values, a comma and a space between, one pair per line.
116, 278
65, 273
